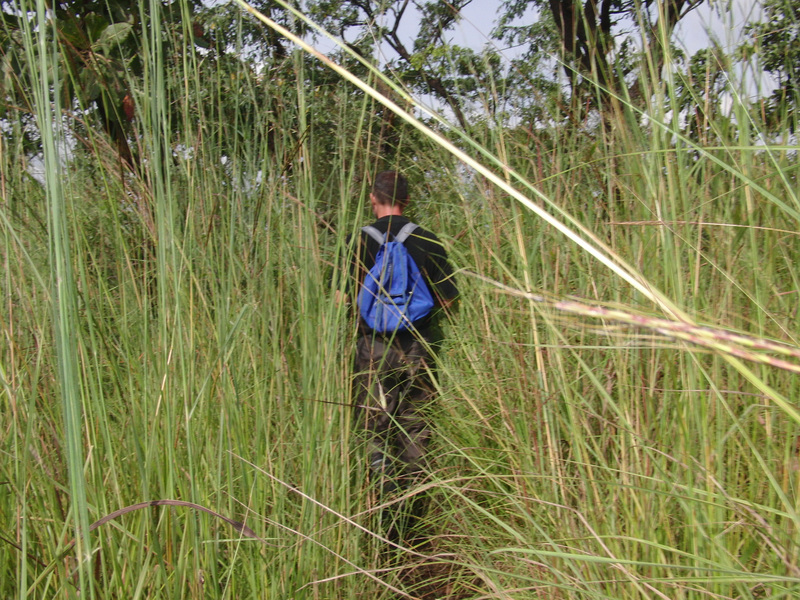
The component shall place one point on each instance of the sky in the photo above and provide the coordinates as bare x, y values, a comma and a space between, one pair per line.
711, 21
692, 33
706, 21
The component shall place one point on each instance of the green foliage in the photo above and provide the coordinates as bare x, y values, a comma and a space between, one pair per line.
421, 66
575, 455
777, 43
700, 95
592, 44
101, 45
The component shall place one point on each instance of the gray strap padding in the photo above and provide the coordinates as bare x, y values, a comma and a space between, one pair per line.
373, 233
406, 231
401, 236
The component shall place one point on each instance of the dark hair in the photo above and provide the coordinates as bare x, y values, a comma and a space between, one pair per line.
390, 188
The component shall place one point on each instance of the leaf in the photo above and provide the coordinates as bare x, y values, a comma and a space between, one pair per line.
95, 25
113, 35
10, 21
69, 31
89, 84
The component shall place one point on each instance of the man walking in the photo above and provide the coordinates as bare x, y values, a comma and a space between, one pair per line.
392, 381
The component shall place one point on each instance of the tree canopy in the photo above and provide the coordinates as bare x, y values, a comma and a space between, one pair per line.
777, 40
569, 58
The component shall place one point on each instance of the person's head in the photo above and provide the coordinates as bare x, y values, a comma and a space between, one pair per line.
390, 189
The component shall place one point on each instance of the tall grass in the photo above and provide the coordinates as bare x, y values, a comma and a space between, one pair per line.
198, 354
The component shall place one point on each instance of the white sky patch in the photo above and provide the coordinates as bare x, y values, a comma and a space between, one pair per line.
710, 21
713, 21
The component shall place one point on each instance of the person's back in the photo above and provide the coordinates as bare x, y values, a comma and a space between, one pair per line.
392, 369
428, 254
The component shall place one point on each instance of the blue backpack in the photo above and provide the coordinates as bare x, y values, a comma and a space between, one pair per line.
394, 295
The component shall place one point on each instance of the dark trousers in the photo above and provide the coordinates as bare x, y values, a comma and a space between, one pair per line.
393, 387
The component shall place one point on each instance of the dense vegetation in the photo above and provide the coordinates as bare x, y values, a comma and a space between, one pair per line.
617, 413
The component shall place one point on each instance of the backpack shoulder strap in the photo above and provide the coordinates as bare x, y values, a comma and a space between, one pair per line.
406, 231
375, 234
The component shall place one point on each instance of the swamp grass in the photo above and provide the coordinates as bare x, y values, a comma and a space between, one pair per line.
201, 347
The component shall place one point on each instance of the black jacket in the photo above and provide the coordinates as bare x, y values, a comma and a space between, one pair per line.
423, 246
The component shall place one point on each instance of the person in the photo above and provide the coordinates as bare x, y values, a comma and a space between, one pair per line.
392, 370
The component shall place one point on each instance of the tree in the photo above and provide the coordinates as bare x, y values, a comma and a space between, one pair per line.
429, 63
699, 96
777, 39
597, 41
100, 43
594, 38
